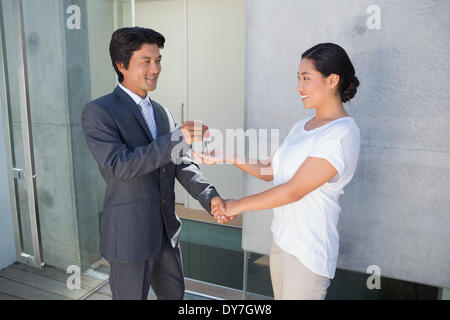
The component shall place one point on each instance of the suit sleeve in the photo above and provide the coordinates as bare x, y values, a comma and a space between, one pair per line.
114, 157
191, 178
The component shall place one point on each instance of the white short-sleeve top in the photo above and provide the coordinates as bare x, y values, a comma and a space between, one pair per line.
307, 228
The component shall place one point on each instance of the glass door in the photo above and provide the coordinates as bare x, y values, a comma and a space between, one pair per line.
53, 59
19, 136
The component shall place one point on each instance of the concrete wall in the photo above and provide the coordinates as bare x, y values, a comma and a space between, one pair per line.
395, 212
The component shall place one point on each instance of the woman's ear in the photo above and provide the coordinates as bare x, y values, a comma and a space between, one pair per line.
333, 80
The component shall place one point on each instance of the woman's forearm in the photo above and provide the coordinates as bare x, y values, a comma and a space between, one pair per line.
312, 174
257, 168
275, 197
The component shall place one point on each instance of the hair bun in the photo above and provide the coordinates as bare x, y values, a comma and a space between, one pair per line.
351, 90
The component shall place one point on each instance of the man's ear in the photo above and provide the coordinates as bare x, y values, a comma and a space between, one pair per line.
120, 66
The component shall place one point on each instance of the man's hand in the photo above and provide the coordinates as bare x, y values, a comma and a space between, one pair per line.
193, 131
218, 209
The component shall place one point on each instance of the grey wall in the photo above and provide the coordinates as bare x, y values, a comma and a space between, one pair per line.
395, 212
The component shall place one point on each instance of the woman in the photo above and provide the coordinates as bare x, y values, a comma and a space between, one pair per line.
309, 170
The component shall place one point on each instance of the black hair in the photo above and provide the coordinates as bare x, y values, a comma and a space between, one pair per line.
125, 41
330, 58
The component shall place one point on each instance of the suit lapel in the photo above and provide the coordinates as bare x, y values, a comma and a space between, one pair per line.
134, 109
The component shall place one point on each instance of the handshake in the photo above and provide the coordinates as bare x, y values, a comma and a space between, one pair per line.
223, 211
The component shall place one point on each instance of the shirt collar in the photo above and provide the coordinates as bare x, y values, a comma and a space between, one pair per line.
136, 98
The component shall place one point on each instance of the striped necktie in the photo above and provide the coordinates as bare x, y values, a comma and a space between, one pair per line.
147, 112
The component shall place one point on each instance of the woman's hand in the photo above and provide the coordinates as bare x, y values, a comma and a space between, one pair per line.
231, 208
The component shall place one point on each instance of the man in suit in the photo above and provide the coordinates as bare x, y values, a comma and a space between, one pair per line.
138, 151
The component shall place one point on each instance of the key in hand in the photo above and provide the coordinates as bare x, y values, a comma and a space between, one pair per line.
206, 144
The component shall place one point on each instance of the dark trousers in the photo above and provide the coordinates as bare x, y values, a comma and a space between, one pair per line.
132, 280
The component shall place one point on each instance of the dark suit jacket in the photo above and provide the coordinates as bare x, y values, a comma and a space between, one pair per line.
140, 175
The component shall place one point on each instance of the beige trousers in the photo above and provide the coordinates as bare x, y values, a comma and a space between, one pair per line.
291, 280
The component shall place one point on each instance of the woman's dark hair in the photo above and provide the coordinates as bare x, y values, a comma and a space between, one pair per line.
125, 41
330, 58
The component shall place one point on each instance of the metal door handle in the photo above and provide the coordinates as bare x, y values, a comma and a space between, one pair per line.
19, 174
